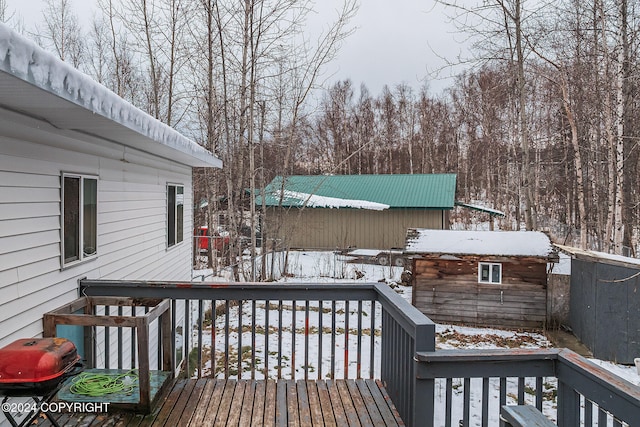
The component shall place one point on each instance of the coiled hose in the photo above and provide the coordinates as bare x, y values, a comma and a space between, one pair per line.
100, 384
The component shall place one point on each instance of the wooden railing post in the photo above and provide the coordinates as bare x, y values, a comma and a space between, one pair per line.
423, 394
568, 406
144, 383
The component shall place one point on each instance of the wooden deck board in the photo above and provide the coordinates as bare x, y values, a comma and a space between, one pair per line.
237, 403
225, 404
214, 403
362, 410
192, 403
293, 410
304, 403
202, 404
270, 404
336, 404
281, 403
246, 411
315, 407
257, 414
370, 403
166, 408
325, 403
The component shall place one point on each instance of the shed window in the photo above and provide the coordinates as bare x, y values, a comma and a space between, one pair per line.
79, 217
175, 214
489, 273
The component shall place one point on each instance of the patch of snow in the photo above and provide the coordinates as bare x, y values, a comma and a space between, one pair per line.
315, 201
371, 252
598, 255
482, 208
614, 257
629, 373
463, 242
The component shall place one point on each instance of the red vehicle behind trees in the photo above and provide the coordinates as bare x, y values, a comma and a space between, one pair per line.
218, 242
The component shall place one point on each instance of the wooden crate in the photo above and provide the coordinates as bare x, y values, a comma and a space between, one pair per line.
81, 312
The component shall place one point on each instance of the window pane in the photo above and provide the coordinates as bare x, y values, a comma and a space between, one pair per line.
90, 216
171, 215
179, 213
484, 272
495, 273
71, 218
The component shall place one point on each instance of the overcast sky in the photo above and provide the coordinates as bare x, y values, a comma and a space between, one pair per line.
396, 41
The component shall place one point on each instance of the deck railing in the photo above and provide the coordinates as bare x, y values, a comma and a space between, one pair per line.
321, 331
471, 385
291, 331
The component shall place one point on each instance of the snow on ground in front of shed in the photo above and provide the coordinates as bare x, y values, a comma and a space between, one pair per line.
329, 267
464, 242
315, 201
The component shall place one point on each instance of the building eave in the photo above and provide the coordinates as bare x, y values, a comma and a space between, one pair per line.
36, 84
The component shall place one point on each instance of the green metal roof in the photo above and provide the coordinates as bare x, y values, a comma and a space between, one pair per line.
435, 191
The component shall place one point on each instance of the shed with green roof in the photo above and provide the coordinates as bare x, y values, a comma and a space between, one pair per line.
364, 211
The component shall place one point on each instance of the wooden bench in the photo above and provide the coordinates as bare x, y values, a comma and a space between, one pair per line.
524, 416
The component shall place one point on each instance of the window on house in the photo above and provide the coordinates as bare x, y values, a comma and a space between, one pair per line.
79, 217
175, 214
489, 272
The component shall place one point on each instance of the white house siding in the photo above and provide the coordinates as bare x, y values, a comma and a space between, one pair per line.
131, 221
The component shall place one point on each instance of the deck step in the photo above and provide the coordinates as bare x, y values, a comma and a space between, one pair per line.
524, 416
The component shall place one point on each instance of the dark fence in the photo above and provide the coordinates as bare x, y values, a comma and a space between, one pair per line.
605, 309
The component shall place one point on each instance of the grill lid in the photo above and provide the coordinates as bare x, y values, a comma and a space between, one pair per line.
34, 360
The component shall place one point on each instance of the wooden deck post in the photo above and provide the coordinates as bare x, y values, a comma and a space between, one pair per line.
423, 389
144, 383
568, 405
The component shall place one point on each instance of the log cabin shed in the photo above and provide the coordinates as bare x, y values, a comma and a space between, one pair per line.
481, 278
355, 211
90, 186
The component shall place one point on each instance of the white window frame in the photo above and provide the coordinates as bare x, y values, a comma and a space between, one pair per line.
81, 250
491, 266
173, 216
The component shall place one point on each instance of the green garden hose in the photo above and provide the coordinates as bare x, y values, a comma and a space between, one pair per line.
100, 384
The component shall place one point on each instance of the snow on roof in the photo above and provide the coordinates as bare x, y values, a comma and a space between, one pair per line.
481, 208
315, 201
24, 60
462, 242
422, 191
601, 256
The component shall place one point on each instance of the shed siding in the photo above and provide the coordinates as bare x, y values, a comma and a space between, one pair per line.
361, 228
131, 225
447, 291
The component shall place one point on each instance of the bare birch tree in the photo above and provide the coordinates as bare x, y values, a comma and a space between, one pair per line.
62, 32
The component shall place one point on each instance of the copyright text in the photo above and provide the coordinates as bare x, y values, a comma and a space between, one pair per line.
53, 407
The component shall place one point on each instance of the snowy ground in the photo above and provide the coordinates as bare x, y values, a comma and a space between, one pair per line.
327, 267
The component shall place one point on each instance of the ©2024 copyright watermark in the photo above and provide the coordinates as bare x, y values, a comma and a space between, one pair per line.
54, 407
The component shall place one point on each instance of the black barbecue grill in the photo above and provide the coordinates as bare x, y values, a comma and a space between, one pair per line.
35, 368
